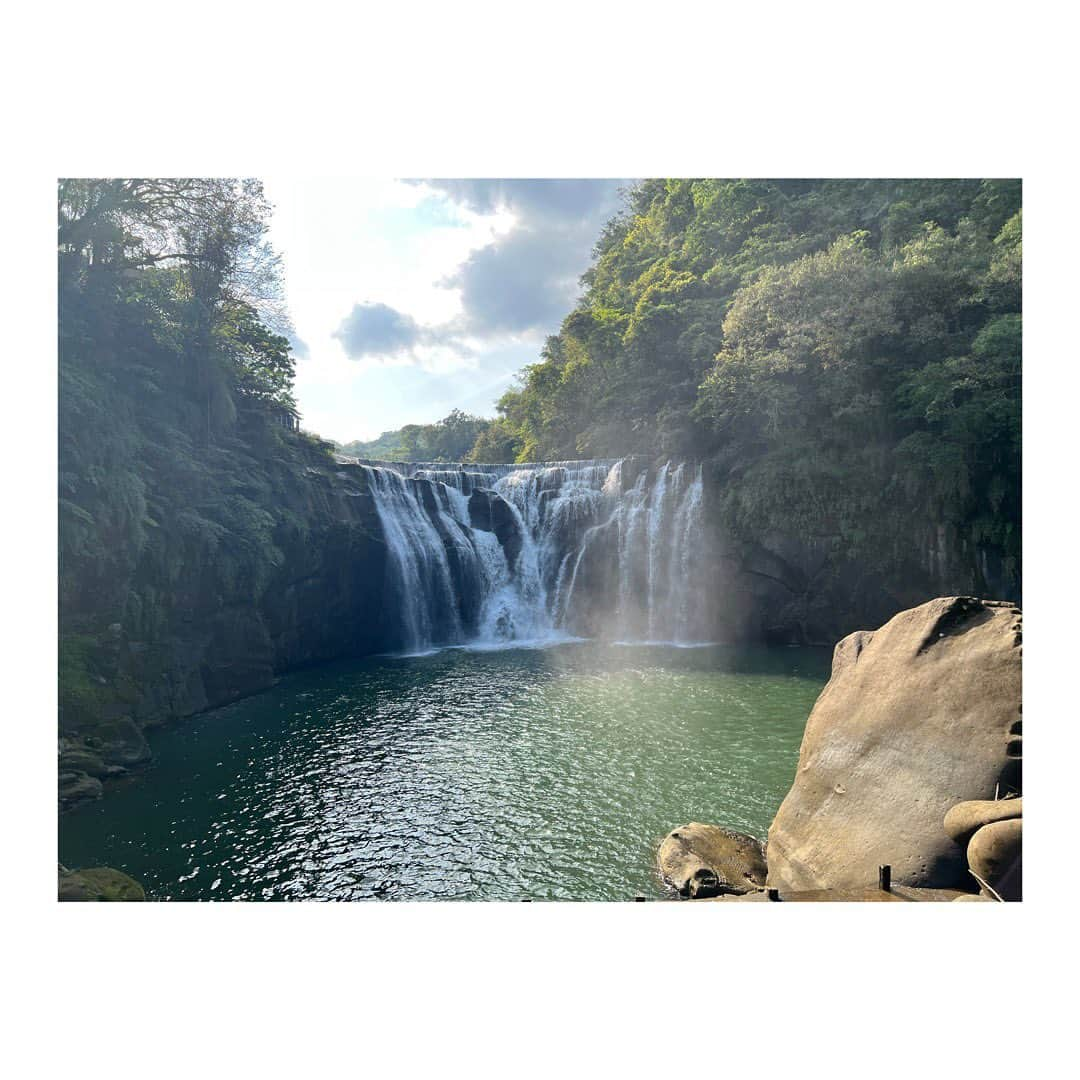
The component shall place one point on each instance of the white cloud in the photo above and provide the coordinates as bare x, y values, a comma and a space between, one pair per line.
476, 272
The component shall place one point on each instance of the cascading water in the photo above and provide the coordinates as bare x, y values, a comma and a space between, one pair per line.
493, 554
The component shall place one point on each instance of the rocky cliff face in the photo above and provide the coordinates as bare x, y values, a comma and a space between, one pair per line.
193, 618
812, 584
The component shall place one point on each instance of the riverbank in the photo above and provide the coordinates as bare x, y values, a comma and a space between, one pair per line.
909, 773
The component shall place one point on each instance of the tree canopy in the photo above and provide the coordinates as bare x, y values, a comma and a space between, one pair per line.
450, 439
172, 362
847, 352
184, 263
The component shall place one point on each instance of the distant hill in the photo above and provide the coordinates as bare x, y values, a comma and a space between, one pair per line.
457, 437
389, 446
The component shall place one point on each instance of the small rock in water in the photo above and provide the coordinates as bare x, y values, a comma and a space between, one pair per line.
708, 860
76, 787
98, 883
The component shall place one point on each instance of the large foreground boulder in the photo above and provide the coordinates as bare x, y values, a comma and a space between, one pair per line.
706, 860
918, 716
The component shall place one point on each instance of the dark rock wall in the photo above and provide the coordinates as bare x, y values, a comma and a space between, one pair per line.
786, 588
199, 626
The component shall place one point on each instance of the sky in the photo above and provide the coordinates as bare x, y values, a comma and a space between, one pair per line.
414, 297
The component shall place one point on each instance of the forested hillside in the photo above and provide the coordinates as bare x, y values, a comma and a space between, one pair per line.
845, 352
450, 439
202, 543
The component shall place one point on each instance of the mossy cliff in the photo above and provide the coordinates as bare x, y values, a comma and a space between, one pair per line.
196, 559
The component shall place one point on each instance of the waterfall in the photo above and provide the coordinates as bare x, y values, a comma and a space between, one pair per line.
491, 554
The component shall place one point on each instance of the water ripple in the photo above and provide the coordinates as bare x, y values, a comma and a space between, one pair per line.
543, 774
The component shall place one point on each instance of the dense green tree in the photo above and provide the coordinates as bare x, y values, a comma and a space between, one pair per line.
185, 262
846, 351
453, 436
169, 374
449, 439
498, 444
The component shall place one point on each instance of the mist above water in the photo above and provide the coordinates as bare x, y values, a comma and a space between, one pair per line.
470, 774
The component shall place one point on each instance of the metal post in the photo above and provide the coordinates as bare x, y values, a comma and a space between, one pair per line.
884, 878
774, 894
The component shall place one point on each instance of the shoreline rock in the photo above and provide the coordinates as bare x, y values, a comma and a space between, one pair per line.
87, 762
918, 716
966, 818
994, 854
902, 763
99, 883
700, 861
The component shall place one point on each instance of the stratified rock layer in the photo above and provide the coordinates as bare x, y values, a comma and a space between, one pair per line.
707, 860
918, 716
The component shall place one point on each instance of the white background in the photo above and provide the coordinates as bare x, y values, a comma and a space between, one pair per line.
560, 89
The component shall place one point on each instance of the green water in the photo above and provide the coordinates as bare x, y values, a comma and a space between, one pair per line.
548, 774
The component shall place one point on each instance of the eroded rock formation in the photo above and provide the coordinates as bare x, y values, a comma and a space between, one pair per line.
708, 860
917, 717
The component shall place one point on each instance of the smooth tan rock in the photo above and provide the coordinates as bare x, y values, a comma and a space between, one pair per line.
917, 717
969, 897
963, 819
994, 853
708, 860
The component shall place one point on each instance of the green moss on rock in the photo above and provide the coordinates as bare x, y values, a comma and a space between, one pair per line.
98, 883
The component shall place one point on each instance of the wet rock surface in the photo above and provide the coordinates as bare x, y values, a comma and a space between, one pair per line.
490, 512
111, 748
699, 861
917, 717
77, 787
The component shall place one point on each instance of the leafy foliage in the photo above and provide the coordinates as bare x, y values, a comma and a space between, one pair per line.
172, 470
450, 439
846, 351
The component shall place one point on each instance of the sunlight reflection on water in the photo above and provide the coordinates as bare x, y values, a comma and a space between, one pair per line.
547, 773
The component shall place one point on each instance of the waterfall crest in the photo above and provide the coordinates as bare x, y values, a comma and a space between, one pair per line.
489, 555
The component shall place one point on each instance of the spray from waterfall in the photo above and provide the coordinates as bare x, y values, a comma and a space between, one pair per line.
492, 555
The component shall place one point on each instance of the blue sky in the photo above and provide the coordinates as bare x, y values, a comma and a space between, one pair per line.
412, 298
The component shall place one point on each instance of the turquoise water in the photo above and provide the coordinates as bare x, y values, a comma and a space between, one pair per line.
547, 774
